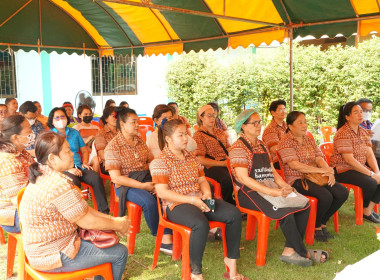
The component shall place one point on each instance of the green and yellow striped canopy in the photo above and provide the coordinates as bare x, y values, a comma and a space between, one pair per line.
146, 27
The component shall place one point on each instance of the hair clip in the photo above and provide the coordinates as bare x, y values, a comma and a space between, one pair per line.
163, 123
115, 114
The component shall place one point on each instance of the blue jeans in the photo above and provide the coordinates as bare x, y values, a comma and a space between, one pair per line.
148, 204
15, 228
89, 256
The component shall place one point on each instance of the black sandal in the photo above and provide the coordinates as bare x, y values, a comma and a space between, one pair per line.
327, 233
319, 236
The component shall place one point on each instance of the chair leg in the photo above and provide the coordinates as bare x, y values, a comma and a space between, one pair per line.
251, 227
358, 194
2, 237
223, 228
277, 224
112, 199
310, 229
12, 244
177, 246
134, 213
336, 221
262, 240
160, 233
93, 198
20, 258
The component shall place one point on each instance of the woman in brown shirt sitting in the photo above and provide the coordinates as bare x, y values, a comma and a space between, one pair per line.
212, 150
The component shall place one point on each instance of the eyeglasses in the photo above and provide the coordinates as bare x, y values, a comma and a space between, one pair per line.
211, 116
255, 123
59, 118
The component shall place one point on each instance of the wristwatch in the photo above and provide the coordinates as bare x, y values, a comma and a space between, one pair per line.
371, 173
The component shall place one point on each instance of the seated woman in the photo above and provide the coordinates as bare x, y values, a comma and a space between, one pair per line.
219, 123
69, 109
212, 145
161, 112
78, 172
250, 162
106, 134
88, 131
352, 149
300, 155
51, 211
180, 183
15, 136
126, 159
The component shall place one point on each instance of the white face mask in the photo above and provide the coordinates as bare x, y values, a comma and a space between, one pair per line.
31, 121
366, 116
31, 139
60, 124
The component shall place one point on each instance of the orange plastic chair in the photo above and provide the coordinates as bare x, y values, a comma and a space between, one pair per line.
2, 237
95, 123
310, 228
181, 239
87, 188
327, 149
15, 242
104, 270
217, 188
134, 214
326, 132
146, 121
254, 218
143, 129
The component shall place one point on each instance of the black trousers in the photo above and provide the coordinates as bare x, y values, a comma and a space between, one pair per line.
192, 217
371, 190
93, 179
330, 199
293, 226
222, 176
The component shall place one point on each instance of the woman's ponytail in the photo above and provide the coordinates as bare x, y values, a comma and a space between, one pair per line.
34, 172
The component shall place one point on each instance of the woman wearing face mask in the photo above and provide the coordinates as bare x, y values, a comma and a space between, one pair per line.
161, 112
126, 159
88, 131
352, 150
15, 136
181, 184
80, 172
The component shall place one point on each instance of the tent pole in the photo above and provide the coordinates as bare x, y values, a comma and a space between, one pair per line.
291, 66
101, 81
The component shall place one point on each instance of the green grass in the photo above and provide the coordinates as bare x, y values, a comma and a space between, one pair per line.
350, 245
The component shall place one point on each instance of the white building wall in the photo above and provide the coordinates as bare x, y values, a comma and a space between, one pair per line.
72, 73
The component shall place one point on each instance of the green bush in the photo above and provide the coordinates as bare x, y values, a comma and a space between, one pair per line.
323, 80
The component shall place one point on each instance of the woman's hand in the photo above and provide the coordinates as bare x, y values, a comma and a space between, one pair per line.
206, 196
86, 166
124, 225
75, 171
197, 201
149, 187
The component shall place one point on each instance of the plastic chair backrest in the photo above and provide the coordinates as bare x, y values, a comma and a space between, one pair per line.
327, 149
308, 133
326, 132
95, 123
19, 197
146, 121
143, 128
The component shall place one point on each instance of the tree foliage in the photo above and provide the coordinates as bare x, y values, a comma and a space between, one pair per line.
323, 80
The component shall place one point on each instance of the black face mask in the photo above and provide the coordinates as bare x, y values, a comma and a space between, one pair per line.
87, 119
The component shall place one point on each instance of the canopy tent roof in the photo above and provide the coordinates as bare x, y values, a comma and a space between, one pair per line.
112, 27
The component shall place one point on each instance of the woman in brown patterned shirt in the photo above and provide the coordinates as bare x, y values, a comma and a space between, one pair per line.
352, 149
180, 183
299, 154
52, 209
106, 134
15, 135
212, 150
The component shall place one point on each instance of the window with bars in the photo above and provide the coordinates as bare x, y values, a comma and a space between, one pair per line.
7, 75
118, 75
